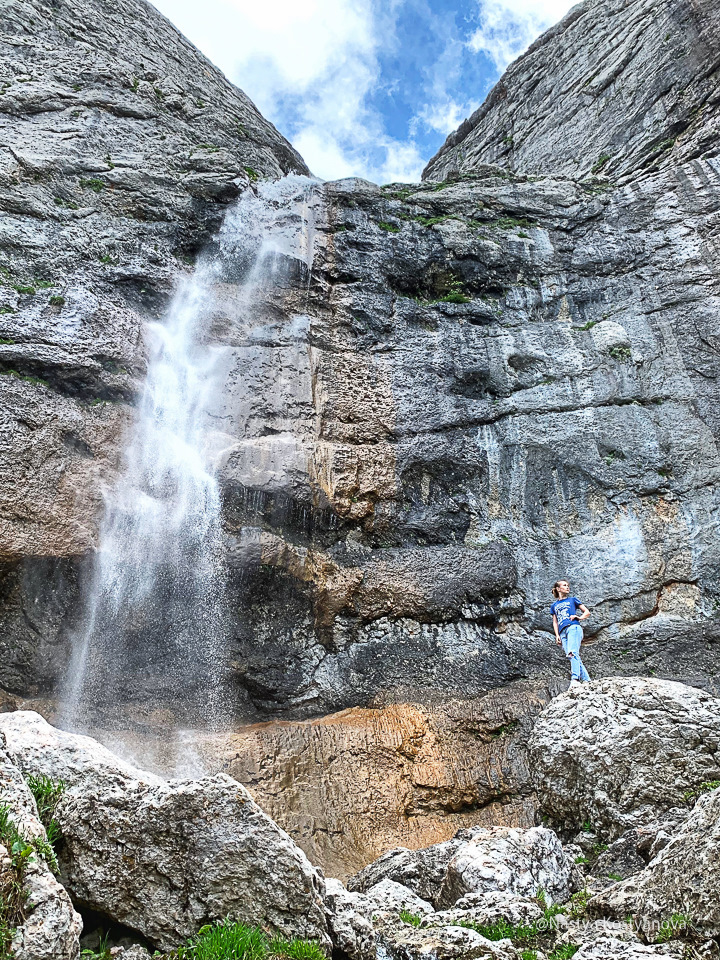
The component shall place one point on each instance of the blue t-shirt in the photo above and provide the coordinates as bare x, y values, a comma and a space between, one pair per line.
563, 610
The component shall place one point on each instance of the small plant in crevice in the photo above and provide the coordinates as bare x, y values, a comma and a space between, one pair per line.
101, 952
690, 796
13, 895
620, 353
456, 293
578, 903
678, 925
47, 794
253, 175
600, 164
414, 919
388, 227
564, 952
92, 183
57, 301
24, 289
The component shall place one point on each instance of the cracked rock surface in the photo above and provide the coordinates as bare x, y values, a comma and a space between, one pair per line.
622, 753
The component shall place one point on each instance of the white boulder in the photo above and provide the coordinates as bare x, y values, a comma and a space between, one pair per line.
622, 752
509, 859
166, 857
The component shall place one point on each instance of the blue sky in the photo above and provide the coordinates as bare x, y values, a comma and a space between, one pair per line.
364, 87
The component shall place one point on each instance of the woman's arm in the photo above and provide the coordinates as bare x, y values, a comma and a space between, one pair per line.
585, 612
555, 628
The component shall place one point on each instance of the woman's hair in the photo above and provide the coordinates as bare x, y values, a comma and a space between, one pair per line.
555, 586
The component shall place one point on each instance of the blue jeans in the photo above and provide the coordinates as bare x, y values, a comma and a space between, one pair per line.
571, 639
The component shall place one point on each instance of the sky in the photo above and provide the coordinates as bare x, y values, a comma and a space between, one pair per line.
366, 88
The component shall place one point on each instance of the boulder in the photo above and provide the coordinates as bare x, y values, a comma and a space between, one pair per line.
444, 943
486, 908
683, 879
165, 857
349, 917
622, 752
51, 929
422, 871
508, 859
391, 897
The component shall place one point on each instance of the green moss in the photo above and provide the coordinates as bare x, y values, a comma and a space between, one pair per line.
508, 223
57, 301
93, 183
388, 227
44, 284
430, 221
7, 309
26, 377
455, 296
253, 175
662, 147
24, 288
601, 162
589, 325
564, 952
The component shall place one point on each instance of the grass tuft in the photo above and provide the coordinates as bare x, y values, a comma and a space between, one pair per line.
414, 919
229, 940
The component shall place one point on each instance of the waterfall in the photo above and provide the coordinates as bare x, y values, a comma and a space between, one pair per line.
157, 621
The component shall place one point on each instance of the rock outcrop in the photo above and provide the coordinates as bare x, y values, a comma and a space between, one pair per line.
618, 86
349, 786
481, 860
681, 881
166, 857
622, 753
45, 926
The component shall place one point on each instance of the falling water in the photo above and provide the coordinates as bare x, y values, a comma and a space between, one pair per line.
157, 620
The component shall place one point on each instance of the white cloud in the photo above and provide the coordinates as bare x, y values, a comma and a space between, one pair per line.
310, 68
508, 27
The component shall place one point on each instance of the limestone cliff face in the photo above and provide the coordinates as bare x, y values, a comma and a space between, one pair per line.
484, 384
618, 86
120, 149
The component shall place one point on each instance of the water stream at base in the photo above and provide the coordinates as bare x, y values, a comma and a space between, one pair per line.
155, 626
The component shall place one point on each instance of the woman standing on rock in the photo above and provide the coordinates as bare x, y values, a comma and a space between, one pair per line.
568, 632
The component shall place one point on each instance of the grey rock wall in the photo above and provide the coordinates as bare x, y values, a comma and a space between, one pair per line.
618, 88
482, 385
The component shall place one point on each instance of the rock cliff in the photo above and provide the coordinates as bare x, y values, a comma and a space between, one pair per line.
484, 382
622, 87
